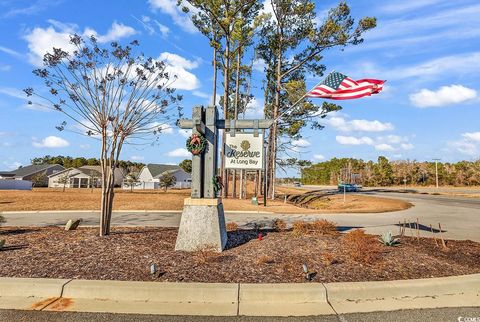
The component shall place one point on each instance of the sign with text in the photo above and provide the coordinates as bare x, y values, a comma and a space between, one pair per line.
244, 151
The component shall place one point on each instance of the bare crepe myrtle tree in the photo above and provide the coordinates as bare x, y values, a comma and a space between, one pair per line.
116, 95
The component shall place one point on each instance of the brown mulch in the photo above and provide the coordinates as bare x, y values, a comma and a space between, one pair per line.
128, 253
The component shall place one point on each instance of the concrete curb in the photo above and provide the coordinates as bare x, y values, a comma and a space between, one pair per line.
237, 299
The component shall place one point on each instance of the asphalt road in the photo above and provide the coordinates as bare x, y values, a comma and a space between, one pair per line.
458, 216
424, 315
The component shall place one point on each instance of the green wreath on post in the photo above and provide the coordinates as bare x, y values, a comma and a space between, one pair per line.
196, 144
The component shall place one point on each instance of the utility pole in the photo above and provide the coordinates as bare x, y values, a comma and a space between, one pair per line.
436, 171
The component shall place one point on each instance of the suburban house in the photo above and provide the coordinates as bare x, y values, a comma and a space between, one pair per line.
150, 174
82, 177
37, 172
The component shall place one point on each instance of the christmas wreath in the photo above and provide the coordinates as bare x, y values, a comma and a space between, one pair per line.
196, 144
217, 183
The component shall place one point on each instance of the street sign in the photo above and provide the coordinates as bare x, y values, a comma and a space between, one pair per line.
244, 151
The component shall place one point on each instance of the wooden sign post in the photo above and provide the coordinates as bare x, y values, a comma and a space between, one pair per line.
203, 222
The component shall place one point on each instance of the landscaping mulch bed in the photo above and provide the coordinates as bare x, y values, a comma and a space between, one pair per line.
128, 253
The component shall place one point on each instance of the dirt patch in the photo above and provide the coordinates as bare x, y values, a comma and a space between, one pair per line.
357, 203
278, 257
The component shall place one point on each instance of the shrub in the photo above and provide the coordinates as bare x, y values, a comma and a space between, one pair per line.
387, 239
317, 227
232, 226
361, 247
279, 225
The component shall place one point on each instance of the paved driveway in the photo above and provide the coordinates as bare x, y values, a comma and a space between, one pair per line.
459, 217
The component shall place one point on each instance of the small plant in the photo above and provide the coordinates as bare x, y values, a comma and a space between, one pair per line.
265, 259
279, 225
361, 247
2, 243
232, 226
388, 240
317, 227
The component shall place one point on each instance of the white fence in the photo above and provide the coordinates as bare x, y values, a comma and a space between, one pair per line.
6, 184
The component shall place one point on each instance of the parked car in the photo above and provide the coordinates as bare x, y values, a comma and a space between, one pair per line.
297, 184
347, 187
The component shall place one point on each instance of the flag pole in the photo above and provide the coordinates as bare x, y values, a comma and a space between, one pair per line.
301, 99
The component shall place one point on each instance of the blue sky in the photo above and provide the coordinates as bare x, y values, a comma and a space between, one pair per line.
427, 50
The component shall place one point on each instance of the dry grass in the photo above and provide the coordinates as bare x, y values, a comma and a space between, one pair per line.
328, 259
361, 247
358, 204
232, 226
85, 199
279, 225
316, 227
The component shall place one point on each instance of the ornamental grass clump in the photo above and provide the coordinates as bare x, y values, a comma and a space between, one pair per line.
387, 239
317, 227
361, 247
279, 225
232, 226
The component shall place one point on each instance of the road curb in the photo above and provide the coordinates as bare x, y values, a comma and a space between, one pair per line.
454, 291
123, 211
237, 299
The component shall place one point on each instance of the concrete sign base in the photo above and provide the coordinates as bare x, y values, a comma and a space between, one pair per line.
202, 225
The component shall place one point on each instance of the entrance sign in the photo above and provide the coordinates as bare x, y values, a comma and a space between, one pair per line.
244, 151
202, 224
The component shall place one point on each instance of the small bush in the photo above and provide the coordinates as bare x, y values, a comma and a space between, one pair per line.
361, 247
265, 259
317, 227
232, 226
279, 225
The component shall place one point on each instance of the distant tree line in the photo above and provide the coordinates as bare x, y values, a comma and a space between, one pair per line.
386, 173
69, 162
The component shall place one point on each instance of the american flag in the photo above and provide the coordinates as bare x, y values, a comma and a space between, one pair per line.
337, 86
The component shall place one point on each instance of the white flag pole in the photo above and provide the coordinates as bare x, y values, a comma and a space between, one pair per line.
299, 100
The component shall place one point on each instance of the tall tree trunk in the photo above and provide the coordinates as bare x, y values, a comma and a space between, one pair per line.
237, 95
226, 87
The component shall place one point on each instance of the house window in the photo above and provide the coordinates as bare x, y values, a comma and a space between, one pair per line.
84, 183
74, 182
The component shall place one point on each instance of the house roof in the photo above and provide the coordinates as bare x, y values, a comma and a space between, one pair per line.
157, 169
29, 170
89, 170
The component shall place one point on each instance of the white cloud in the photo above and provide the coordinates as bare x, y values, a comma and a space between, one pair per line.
407, 146
254, 109
5, 68
180, 152
302, 143
51, 142
318, 157
350, 140
403, 6
384, 147
340, 124
84, 146
137, 158
12, 165
13, 92
116, 31
465, 147
42, 40
472, 136
259, 65
152, 26
201, 94
185, 133
10, 52
445, 95
179, 66
170, 8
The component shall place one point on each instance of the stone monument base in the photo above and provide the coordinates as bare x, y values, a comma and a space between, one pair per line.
202, 225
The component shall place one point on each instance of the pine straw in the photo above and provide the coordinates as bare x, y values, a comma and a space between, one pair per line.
128, 252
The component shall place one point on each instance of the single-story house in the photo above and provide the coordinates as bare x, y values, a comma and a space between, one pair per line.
82, 177
150, 174
32, 172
